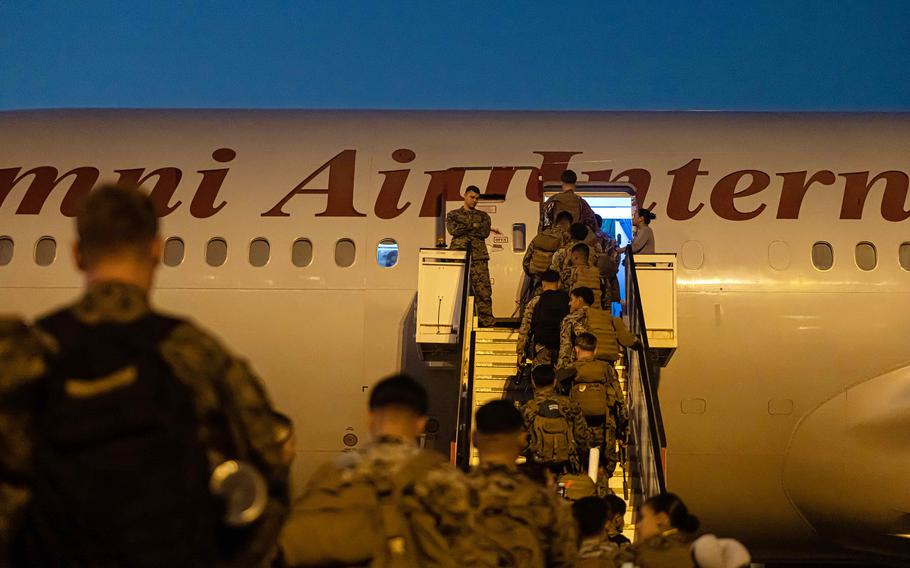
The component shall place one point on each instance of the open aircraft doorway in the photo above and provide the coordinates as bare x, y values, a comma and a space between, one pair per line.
615, 204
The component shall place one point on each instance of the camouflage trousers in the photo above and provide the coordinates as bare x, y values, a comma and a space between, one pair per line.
605, 434
483, 291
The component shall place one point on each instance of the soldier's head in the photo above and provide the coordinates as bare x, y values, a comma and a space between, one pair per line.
500, 434
543, 376
549, 280
117, 236
616, 513
471, 196
591, 514
578, 231
585, 346
568, 179
580, 297
564, 220
398, 408
580, 254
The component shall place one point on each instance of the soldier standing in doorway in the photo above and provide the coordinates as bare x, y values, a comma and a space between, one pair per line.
469, 228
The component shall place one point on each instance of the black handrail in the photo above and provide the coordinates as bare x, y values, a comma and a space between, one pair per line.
656, 430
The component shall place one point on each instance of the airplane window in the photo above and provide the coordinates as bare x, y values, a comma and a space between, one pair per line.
216, 252
46, 251
259, 252
903, 254
302, 253
6, 250
387, 253
345, 253
173, 251
518, 237
866, 257
822, 255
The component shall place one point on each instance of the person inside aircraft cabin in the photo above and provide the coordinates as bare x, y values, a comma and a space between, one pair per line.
538, 335
643, 242
469, 228
568, 200
178, 404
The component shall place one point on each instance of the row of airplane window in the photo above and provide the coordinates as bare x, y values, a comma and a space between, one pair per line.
216, 253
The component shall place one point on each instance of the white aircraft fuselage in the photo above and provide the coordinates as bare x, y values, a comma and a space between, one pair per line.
786, 405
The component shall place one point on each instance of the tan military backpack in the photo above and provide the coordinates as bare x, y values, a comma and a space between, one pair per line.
589, 390
551, 436
600, 323
545, 244
351, 520
587, 277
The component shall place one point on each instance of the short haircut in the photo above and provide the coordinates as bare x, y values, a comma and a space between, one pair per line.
400, 391
615, 505
591, 514
586, 341
114, 219
586, 294
579, 231
568, 176
549, 276
472, 189
583, 249
543, 375
498, 417
564, 216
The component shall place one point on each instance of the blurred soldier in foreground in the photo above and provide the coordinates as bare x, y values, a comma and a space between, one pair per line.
596, 551
389, 504
469, 228
114, 418
520, 522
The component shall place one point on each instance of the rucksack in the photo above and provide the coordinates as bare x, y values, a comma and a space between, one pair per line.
600, 323
587, 277
519, 387
504, 536
551, 436
575, 486
544, 245
121, 478
589, 388
344, 519
546, 321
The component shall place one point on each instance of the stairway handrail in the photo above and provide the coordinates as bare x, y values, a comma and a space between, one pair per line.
656, 430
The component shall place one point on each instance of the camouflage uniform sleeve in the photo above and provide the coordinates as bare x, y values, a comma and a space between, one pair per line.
562, 548
486, 225
456, 225
565, 343
445, 505
526, 260
623, 335
587, 214
579, 427
524, 331
21, 365
556, 261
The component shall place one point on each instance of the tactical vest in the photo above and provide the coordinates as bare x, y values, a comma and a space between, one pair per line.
600, 323
544, 245
588, 277
551, 308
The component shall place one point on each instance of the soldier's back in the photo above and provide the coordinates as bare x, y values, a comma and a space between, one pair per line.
519, 522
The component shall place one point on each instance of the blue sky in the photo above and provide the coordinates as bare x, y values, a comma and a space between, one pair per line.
661, 55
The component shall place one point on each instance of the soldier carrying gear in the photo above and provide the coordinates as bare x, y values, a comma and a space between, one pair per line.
581, 274
610, 332
596, 390
538, 335
540, 252
406, 507
469, 228
578, 234
569, 201
118, 416
556, 425
520, 523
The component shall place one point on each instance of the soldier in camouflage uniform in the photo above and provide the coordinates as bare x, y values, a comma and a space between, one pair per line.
427, 493
578, 234
573, 439
520, 522
574, 324
539, 254
119, 250
469, 228
569, 201
538, 335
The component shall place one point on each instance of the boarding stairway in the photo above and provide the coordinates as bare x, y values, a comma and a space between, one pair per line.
486, 359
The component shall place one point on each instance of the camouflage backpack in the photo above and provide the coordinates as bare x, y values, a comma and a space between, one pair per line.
551, 437
354, 520
504, 517
590, 389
